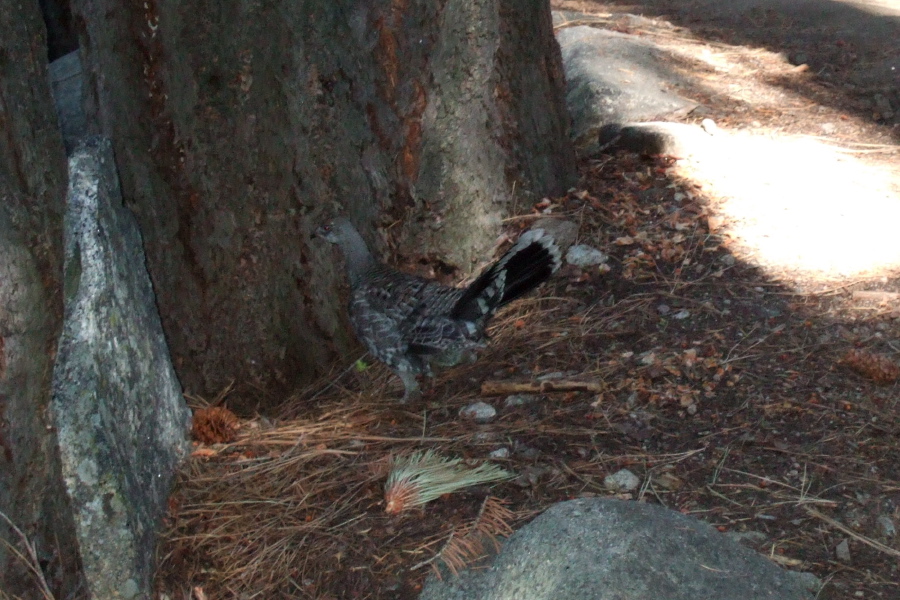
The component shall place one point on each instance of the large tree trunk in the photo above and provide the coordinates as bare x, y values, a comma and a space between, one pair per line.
238, 125
32, 194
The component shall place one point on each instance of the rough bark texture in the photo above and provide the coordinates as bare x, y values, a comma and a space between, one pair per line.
238, 125
117, 406
32, 193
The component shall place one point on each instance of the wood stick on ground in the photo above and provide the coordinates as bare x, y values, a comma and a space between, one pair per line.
875, 295
502, 388
877, 545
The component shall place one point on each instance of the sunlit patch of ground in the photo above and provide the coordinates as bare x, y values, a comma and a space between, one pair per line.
812, 208
798, 204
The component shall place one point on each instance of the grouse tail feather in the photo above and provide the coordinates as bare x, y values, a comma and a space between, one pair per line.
530, 262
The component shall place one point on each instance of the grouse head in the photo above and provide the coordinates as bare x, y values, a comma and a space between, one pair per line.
337, 231
341, 232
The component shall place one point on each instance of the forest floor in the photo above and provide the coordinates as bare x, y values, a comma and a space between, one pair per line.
754, 388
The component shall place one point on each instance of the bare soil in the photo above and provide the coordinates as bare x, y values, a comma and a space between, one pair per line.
746, 396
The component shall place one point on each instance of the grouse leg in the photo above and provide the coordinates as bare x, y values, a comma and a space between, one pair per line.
411, 390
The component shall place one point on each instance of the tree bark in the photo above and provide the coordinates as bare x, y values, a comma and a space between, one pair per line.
239, 126
32, 195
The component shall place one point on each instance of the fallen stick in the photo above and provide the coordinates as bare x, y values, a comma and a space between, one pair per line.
875, 295
501, 388
861, 538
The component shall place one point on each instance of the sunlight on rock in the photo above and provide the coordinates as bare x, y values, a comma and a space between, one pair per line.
800, 205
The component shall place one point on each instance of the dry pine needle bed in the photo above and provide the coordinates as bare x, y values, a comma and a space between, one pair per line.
732, 397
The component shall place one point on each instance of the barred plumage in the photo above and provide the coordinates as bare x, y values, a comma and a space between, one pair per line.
411, 323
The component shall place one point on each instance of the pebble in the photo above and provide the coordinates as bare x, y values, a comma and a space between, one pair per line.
887, 527
621, 481
842, 551
519, 400
500, 453
709, 126
480, 412
581, 255
748, 537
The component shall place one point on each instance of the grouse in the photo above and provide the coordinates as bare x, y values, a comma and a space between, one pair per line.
411, 323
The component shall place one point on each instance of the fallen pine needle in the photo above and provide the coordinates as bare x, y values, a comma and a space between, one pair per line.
418, 478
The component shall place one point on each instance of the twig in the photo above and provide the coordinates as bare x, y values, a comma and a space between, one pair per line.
869, 542
501, 388
875, 295
30, 561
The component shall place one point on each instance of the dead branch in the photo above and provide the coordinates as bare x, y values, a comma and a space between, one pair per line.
502, 388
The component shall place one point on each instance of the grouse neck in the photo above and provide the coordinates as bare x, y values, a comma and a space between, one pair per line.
357, 256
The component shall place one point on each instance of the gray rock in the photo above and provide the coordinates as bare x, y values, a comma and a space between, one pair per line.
886, 526
842, 551
117, 405
66, 80
32, 202
480, 412
519, 400
622, 481
799, 58
500, 453
597, 549
582, 255
614, 78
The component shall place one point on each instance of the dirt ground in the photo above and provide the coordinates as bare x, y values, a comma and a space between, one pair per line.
760, 397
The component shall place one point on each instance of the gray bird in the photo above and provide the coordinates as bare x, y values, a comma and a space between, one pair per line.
411, 323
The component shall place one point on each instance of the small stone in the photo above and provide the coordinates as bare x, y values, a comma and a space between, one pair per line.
129, 589
748, 537
828, 128
527, 452
682, 314
887, 527
480, 412
663, 309
581, 255
518, 400
622, 481
842, 551
668, 481
728, 260
709, 126
500, 453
